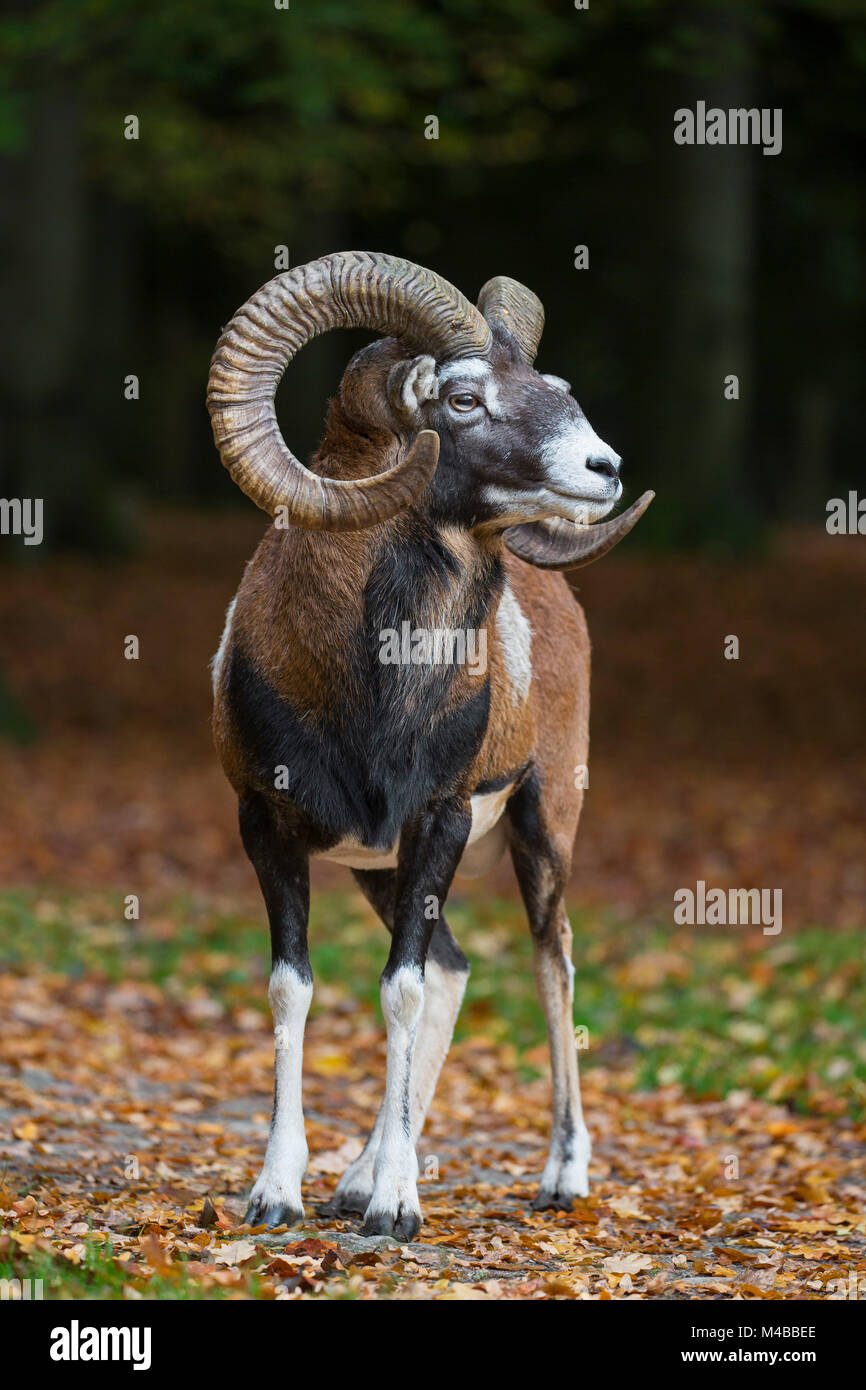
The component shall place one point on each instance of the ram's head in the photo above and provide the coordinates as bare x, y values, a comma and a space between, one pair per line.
452, 385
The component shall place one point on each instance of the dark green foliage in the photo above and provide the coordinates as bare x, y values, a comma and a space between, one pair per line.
305, 127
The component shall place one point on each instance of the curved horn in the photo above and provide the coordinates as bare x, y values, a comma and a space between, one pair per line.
506, 302
349, 289
561, 545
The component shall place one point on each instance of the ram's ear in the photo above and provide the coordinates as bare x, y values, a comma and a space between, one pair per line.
410, 384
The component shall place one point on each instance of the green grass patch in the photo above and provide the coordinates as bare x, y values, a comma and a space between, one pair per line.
711, 1008
100, 1276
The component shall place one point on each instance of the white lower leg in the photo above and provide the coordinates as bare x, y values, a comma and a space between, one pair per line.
443, 995
566, 1171
278, 1189
394, 1200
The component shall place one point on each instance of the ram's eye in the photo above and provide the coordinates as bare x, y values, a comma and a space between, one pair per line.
463, 401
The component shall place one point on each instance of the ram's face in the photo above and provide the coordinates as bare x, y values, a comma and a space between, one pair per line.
514, 444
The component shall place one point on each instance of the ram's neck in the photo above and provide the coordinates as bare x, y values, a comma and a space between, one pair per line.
316, 610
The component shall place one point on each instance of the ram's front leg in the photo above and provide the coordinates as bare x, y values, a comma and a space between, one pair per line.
445, 975
430, 851
282, 867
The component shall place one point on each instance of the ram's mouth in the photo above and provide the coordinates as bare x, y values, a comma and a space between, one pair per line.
585, 511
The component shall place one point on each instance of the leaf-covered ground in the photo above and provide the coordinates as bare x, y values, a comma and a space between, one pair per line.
136, 1089
725, 1073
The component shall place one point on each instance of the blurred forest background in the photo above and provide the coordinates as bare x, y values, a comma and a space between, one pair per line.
305, 128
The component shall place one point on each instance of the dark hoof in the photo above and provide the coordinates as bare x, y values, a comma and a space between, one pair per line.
551, 1201
345, 1205
403, 1225
263, 1213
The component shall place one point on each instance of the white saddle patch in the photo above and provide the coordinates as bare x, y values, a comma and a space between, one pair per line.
216, 665
515, 635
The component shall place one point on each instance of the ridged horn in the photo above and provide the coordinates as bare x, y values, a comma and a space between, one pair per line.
505, 301
561, 545
349, 289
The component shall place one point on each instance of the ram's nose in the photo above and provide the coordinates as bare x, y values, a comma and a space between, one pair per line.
608, 465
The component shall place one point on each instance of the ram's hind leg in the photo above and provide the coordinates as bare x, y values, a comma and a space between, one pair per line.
445, 976
282, 868
542, 863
